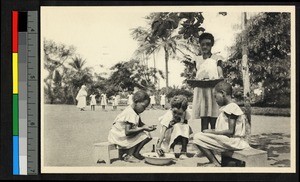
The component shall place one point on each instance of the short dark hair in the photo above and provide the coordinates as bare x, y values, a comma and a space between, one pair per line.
224, 86
179, 101
140, 96
207, 36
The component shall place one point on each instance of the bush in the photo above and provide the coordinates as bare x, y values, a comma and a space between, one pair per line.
175, 91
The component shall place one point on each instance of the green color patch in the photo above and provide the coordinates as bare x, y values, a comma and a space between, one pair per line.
15, 114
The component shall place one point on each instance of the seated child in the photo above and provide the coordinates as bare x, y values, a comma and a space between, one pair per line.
231, 127
174, 127
128, 131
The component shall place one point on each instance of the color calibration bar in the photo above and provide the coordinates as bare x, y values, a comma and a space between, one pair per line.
25, 92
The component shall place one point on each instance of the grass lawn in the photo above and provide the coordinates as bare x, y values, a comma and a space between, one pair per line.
69, 133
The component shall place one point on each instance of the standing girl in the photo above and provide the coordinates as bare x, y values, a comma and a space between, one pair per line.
115, 101
231, 130
103, 101
152, 100
208, 67
129, 101
81, 98
163, 100
174, 127
128, 130
93, 101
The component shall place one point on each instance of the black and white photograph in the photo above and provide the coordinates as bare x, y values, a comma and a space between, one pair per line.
168, 89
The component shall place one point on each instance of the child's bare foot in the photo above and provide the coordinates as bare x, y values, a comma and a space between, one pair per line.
183, 156
131, 159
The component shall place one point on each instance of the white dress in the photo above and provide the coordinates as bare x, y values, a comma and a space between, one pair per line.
116, 100
93, 99
81, 98
103, 100
223, 143
204, 103
117, 133
179, 129
130, 101
163, 99
152, 99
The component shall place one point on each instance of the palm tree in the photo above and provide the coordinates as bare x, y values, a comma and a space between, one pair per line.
169, 46
78, 75
77, 63
161, 35
55, 56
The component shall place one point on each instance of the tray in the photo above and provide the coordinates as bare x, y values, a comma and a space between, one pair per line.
204, 83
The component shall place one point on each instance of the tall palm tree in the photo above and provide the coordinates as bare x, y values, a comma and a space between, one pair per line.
162, 34
169, 46
78, 75
77, 63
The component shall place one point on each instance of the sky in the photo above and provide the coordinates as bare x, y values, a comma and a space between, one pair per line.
101, 35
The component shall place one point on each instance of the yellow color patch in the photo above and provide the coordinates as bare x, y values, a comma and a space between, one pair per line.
15, 73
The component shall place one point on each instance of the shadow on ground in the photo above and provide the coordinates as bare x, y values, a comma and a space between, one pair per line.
276, 144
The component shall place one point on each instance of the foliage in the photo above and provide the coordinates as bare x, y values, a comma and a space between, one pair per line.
268, 41
66, 73
55, 56
127, 75
173, 91
161, 34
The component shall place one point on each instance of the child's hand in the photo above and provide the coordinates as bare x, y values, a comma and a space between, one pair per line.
172, 123
149, 128
160, 152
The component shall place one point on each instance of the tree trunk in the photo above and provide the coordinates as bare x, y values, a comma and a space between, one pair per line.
155, 80
245, 71
167, 67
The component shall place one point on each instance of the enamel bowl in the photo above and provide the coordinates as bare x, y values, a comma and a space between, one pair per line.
153, 158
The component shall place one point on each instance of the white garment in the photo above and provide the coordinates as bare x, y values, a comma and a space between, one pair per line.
207, 68
116, 100
152, 99
163, 99
103, 100
223, 143
93, 99
117, 133
81, 98
178, 129
130, 101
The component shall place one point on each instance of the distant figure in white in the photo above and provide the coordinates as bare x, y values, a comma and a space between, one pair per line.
152, 100
93, 101
115, 102
103, 101
163, 100
130, 101
81, 98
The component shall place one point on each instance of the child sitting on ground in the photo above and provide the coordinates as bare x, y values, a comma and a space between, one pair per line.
174, 127
231, 127
128, 131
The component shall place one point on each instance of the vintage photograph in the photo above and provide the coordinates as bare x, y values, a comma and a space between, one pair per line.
164, 89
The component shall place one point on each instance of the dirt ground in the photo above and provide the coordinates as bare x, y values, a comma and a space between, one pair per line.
69, 135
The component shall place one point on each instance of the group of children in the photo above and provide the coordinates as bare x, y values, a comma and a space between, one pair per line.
129, 132
162, 101
81, 99
227, 124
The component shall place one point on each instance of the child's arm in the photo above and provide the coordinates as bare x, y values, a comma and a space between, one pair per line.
129, 130
231, 127
161, 138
